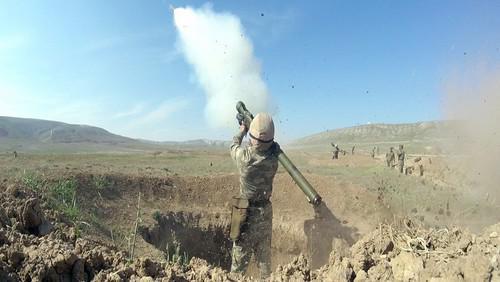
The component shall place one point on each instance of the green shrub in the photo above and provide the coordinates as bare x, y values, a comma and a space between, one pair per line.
32, 181
173, 254
63, 197
157, 216
100, 182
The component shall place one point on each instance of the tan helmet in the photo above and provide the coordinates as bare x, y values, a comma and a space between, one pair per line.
262, 128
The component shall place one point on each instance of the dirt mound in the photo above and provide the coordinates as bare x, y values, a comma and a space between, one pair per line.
409, 252
37, 244
405, 252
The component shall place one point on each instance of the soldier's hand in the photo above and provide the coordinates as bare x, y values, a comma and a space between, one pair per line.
243, 128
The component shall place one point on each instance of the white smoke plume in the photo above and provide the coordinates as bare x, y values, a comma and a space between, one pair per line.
222, 56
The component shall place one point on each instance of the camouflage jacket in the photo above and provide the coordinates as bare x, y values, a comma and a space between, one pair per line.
257, 169
401, 155
390, 156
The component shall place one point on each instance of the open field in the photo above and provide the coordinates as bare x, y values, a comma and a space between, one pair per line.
171, 201
185, 197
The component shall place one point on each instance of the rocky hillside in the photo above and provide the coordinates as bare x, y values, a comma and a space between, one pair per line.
432, 130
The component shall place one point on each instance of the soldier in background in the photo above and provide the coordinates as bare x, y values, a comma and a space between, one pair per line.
418, 161
401, 158
373, 152
390, 157
15, 154
336, 151
352, 150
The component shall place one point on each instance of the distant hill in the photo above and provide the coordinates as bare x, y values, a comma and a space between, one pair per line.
420, 134
24, 134
45, 131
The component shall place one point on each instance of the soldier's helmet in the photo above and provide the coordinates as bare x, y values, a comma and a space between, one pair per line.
262, 128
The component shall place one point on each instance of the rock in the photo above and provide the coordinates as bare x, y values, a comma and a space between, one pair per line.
78, 271
407, 267
148, 268
125, 272
15, 258
31, 216
493, 234
361, 276
381, 271
475, 267
63, 263
464, 244
44, 228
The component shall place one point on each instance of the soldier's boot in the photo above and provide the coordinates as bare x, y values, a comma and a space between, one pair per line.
263, 256
240, 257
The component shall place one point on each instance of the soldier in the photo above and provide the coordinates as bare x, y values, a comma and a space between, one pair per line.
373, 152
389, 157
336, 151
352, 150
15, 154
251, 223
401, 158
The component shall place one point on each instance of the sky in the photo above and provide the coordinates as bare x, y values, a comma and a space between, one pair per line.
332, 64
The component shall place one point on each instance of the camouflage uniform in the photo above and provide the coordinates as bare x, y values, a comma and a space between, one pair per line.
336, 151
257, 167
401, 158
390, 158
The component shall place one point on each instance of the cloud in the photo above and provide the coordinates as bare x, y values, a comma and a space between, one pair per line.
18, 103
162, 112
135, 110
145, 119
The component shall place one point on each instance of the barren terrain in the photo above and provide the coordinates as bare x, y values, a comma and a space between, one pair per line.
184, 212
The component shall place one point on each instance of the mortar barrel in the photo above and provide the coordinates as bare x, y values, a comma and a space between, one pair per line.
312, 196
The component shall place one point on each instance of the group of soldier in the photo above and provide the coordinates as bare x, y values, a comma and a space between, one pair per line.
390, 158
337, 150
394, 159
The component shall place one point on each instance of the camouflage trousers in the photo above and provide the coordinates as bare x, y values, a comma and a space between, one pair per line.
401, 165
255, 239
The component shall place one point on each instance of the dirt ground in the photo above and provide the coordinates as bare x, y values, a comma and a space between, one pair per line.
374, 223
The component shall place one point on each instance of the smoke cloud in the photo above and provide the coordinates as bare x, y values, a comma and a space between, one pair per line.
474, 100
222, 56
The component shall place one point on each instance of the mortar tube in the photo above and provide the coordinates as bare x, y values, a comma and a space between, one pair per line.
312, 196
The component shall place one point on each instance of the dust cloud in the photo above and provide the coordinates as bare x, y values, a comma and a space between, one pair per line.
474, 100
222, 56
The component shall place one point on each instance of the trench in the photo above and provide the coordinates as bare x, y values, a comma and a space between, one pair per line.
207, 237
191, 215
193, 235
